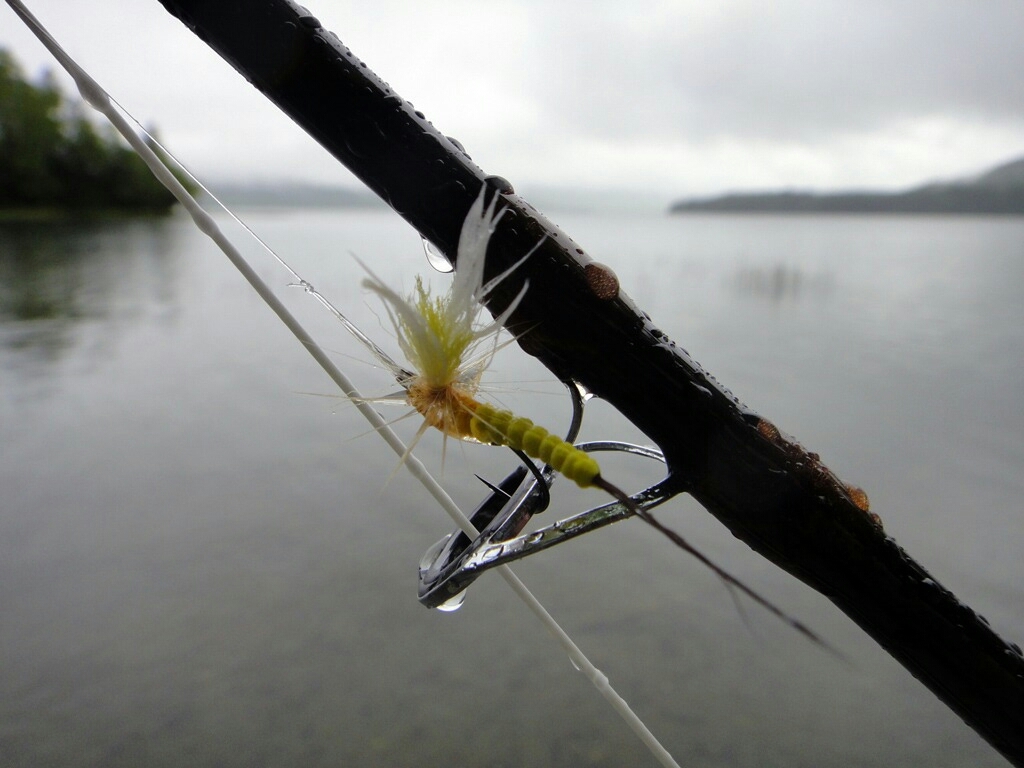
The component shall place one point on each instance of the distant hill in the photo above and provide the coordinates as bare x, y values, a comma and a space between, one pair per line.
1009, 175
998, 191
287, 194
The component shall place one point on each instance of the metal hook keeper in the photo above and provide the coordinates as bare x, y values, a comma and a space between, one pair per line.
454, 562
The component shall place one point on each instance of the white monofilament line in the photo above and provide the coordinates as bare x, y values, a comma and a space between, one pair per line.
99, 99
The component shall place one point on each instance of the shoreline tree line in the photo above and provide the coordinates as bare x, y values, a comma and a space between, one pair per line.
53, 157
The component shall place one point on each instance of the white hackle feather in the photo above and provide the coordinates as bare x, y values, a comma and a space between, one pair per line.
440, 337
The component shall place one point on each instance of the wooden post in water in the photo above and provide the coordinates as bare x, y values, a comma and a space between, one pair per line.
770, 492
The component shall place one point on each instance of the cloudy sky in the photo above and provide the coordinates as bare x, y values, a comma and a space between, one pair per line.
651, 98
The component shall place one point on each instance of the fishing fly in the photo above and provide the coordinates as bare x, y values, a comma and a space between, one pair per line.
449, 348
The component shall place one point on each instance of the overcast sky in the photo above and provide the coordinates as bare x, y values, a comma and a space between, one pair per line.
654, 98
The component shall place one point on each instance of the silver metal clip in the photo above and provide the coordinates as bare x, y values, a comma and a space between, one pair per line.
454, 562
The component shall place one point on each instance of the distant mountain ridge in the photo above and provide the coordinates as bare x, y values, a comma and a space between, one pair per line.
997, 191
293, 194
1009, 174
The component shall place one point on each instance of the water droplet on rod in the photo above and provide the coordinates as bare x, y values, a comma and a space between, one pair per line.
435, 257
500, 185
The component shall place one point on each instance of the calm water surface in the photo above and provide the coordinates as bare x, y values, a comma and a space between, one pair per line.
204, 559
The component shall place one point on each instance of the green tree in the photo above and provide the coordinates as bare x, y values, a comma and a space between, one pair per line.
51, 155
29, 132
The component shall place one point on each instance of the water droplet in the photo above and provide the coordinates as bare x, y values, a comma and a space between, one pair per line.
458, 146
454, 603
435, 257
427, 561
574, 664
420, 115
309, 21
500, 185
585, 393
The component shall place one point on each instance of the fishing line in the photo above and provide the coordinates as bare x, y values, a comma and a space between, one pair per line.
96, 97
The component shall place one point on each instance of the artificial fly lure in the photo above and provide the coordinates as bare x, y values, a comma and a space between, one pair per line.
449, 349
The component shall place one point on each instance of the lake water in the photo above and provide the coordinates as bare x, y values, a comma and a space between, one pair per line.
205, 559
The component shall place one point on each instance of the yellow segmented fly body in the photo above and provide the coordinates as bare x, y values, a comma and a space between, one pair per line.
500, 427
